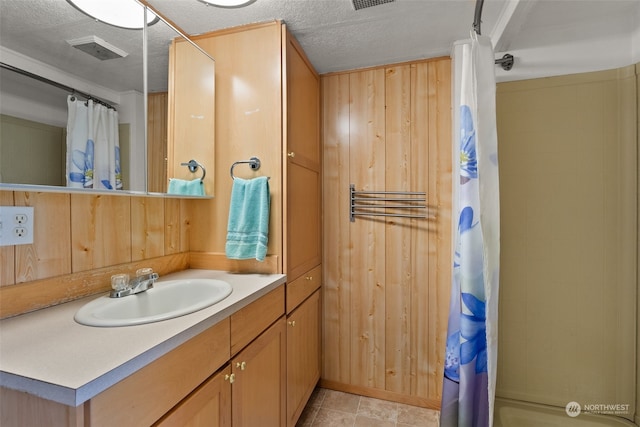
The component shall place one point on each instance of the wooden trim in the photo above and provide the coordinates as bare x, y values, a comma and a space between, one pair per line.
24, 297
219, 261
378, 67
381, 394
235, 29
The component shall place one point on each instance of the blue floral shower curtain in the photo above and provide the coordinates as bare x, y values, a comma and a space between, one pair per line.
471, 353
93, 147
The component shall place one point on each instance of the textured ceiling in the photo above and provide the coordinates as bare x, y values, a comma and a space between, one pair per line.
337, 37
334, 35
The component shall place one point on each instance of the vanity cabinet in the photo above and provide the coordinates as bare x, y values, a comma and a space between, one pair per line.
250, 390
146, 395
258, 373
209, 405
231, 374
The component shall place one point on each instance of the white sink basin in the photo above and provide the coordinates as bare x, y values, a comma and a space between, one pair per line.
166, 300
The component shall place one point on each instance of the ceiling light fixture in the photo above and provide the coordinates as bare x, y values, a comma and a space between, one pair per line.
228, 4
119, 13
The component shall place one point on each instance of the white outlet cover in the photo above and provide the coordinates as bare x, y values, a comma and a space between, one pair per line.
16, 225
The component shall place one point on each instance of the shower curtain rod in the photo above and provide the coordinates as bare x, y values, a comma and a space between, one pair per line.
54, 83
506, 62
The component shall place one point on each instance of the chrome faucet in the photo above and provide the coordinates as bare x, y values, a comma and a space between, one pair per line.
122, 286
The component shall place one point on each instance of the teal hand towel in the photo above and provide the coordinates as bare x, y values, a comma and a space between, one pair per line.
248, 226
186, 188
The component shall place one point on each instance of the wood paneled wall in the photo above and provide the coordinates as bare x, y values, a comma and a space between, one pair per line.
387, 280
81, 239
157, 113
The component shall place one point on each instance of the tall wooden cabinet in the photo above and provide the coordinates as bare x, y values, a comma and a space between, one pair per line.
302, 225
302, 145
268, 106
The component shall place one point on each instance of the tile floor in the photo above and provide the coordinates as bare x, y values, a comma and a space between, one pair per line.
329, 408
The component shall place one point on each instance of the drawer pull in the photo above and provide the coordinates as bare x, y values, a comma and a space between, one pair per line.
242, 365
291, 154
231, 378
309, 277
292, 322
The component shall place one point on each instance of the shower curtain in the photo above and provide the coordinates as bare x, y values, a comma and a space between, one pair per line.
93, 148
471, 348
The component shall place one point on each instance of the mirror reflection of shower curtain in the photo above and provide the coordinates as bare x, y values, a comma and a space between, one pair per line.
93, 147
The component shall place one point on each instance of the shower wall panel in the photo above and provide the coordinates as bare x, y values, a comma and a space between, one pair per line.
568, 187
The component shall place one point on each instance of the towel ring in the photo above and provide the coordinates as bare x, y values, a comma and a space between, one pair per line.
254, 163
193, 167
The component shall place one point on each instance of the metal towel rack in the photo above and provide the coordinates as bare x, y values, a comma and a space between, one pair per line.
193, 166
254, 163
363, 203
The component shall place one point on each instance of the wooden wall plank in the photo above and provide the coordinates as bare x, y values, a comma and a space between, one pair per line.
147, 228
49, 255
398, 231
367, 172
175, 226
440, 248
336, 292
157, 105
422, 236
100, 231
7, 253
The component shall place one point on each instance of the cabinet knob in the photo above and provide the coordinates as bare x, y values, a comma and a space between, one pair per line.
291, 154
292, 322
231, 378
309, 277
242, 365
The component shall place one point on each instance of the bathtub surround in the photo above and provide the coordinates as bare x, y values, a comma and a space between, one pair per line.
568, 182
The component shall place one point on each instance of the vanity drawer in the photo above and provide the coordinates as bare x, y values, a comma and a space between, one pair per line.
249, 322
302, 287
146, 395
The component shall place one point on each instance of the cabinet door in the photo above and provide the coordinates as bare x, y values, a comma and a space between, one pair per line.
303, 244
303, 355
258, 390
207, 406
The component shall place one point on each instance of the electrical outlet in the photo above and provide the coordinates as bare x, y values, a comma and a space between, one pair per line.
20, 232
16, 225
20, 218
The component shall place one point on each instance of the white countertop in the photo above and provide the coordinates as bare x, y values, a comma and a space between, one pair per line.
48, 354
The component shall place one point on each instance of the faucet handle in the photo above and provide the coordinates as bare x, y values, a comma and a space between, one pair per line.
119, 282
144, 271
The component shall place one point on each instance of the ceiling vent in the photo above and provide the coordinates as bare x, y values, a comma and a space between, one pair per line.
363, 4
97, 48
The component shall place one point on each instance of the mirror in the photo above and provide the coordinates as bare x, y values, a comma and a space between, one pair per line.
37, 37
